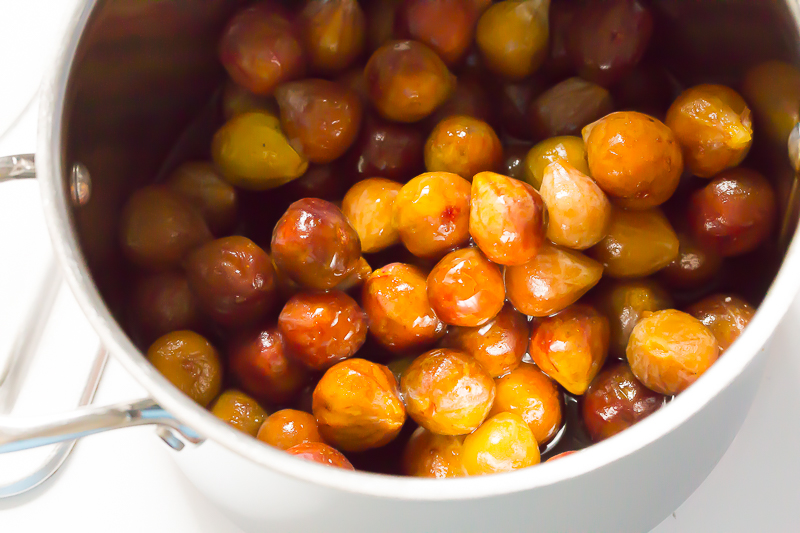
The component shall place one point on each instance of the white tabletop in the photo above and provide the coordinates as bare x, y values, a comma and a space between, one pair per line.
124, 482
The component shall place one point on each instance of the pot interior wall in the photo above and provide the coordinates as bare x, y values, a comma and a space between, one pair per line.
146, 71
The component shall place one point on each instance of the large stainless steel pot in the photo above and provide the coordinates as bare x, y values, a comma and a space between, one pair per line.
130, 76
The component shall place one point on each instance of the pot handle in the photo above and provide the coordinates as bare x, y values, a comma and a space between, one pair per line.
21, 433
18, 433
22, 166
17, 167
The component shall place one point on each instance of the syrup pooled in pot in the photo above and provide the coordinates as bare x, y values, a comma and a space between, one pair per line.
454, 238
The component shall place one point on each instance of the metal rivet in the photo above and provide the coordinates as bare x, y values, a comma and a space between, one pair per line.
794, 147
80, 185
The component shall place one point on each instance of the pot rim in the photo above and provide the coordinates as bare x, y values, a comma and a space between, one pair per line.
51, 167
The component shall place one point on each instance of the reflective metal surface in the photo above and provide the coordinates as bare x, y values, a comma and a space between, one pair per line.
80, 185
18, 433
132, 74
17, 167
142, 71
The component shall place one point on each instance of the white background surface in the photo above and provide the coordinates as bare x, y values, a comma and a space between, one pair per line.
125, 482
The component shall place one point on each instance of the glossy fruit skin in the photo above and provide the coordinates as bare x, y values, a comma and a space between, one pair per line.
463, 145
357, 277
694, 267
217, 200
503, 443
407, 81
261, 365
357, 405
735, 213
322, 328
568, 148
615, 401
334, 33
498, 345
237, 100
430, 455
624, 303
289, 427
578, 209
447, 392
159, 228
386, 149
529, 393
431, 213
161, 303
240, 411
447, 26
319, 452
234, 281
713, 126
567, 107
507, 218
190, 363
251, 152
514, 160
633, 157
668, 350
368, 207
395, 298
512, 37
773, 89
725, 315
551, 281
320, 117
607, 39
571, 346
314, 245
260, 48
465, 288
637, 244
